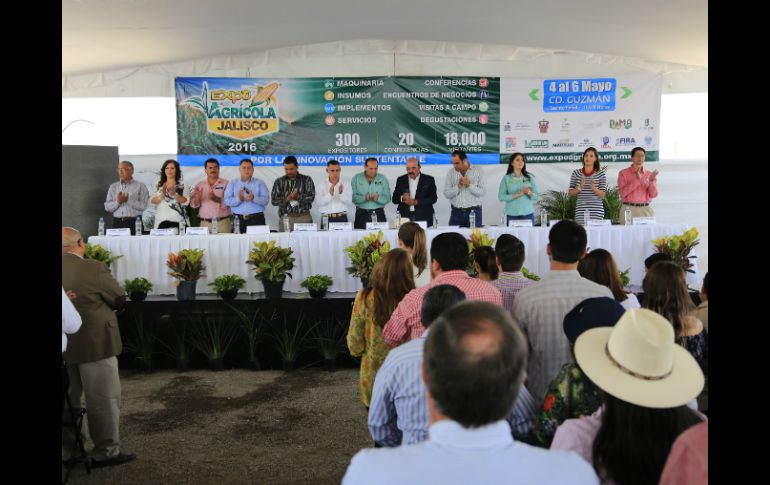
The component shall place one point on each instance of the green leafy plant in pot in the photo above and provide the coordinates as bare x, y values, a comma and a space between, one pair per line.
559, 205
97, 252
253, 325
213, 338
271, 266
179, 348
329, 337
227, 286
317, 285
140, 343
187, 267
138, 288
290, 340
364, 255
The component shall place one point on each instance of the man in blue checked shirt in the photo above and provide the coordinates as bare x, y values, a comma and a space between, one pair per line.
247, 196
398, 413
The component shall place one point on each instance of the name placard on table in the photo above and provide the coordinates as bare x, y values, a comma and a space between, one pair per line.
305, 227
257, 229
644, 220
122, 231
197, 231
169, 231
520, 223
340, 226
376, 225
600, 222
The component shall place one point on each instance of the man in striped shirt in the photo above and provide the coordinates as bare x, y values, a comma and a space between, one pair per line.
398, 413
449, 256
540, 309
509, 251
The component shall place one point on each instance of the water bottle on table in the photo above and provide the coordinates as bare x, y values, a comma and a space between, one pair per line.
138, 226
101, 226
214, 226
543, 218
472, 219
629, 219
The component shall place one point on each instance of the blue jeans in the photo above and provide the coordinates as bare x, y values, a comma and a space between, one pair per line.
459, 217
531, 217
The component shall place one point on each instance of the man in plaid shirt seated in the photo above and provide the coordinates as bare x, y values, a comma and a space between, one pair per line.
449, 257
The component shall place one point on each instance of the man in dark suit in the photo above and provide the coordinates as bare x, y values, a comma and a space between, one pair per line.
91, 353
415, 193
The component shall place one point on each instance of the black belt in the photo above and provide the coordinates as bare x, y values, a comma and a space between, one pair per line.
466, 208
249, 216
336, 214
218, 218
125, 218
636, 205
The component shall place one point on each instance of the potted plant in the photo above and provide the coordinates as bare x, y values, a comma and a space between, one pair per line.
560, 205
227, 286
317, 285
477, 240
679, 247
364, 254
271, 266
140, 343
612, 204
179, 348
529, 275
330, 340
290, 341
253, 326
213, 338
187, 267
138, 288
97, 252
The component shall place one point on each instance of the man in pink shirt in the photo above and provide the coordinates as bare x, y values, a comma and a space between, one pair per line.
637, 187
449, 257
209, 196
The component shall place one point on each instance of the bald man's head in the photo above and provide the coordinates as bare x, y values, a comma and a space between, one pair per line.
72, 241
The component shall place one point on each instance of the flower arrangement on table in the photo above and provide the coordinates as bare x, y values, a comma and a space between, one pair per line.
679, 247
365, 253
187, 265
97, 252
477, 240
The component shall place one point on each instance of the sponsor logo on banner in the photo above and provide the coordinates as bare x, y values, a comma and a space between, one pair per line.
535, 143
328, 95
484, 106
606, 142
510, 142
625, 142
329, 120
590, 126
620, 124
329, 84
647, 125
522, 127
585, 143
507, 126
483, 119
241, 114
648, 140
483, 94
563, 143
483, 82
329, 108
565, 125
543, 125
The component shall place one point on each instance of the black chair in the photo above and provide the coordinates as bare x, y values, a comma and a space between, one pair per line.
73, 418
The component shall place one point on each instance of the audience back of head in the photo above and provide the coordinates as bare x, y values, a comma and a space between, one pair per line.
450, 250
568, 241
437, 300
510, 253
485, 257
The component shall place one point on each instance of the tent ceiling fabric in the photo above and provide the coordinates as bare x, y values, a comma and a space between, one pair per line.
120, 36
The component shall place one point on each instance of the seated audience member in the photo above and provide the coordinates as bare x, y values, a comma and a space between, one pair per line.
473, 367
703, 309
485, 262
509, 254
449, 258
656, 258
572, 394
391, 279
399, 412
412, 238
688, 461
647, 381
599, 266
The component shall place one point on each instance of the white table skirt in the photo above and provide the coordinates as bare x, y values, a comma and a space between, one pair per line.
323, 253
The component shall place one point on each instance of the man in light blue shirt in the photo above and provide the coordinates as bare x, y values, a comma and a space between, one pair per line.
371, 192
398, 413
247, 197
474, 365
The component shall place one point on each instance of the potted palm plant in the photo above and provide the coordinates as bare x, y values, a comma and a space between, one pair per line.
253, 325
329, 337
227, 286
213, 338
290, 341
612, 204
179, 348
317, 285
140, 343
364, 254
187, 267
559, 204
271, 266
138, 288
97, 252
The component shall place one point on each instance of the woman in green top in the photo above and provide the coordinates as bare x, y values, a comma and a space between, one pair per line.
518, 190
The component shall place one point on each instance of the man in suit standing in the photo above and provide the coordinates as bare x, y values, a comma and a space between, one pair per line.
415, 193
91, 353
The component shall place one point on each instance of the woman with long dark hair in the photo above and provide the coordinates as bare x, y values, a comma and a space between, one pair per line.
599, 266
485, 262
391, 279
412, 238
589, 185
647, 381
171, 197
518, 189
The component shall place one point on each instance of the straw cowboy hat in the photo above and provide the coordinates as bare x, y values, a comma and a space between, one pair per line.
638, 361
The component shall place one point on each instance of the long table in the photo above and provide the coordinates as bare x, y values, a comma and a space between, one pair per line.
323, 253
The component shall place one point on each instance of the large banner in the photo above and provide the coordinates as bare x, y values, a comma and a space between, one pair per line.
555, 120
394, 118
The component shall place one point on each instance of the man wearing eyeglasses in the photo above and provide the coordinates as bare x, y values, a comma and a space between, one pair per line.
127, 198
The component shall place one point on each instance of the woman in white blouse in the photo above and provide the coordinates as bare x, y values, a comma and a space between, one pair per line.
171, 198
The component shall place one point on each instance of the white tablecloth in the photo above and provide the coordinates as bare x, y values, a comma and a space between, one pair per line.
323, 253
